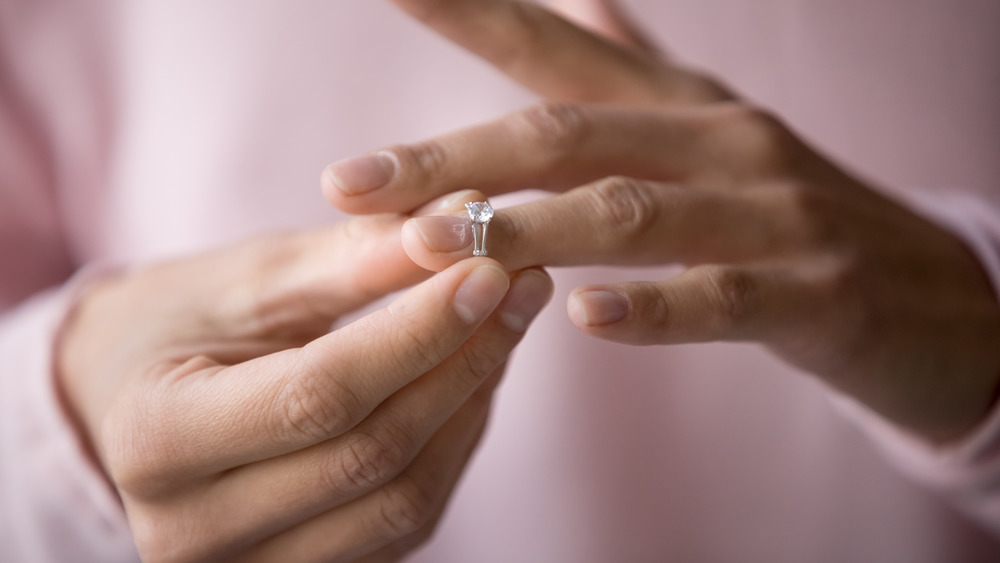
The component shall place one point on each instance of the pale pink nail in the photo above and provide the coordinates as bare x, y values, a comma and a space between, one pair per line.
527, 297
597, 307
444, 233
364, 173
480, 293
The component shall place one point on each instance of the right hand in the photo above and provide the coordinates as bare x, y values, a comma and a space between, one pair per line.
235, 426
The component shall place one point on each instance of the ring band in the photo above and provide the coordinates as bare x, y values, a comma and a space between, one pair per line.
480, 213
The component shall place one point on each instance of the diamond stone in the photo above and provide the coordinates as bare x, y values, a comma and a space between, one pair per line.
480, 212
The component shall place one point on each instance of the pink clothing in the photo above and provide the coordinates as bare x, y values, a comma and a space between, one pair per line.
132, 131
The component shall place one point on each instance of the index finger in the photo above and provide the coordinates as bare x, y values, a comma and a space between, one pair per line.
207, 417
557, 59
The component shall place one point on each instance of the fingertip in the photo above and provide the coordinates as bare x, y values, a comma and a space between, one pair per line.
436, 242
530, 291
596, 307
443, 233
328, 186
481, 291
345, 179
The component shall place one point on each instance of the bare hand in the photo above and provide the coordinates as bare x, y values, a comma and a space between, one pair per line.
234, 426
783, 246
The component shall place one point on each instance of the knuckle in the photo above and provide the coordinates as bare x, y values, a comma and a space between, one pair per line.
131, 461
415, 339
139, 437
138, 451
364, 462
163, 536
853, 322
524, 38
258, 301
731, 291
816, 218
405, 509
655, 310
627, 205
477, 363
250, 306
557, 127
759, 139
317, 405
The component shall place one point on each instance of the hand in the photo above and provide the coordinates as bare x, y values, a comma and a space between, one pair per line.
234, 426
783, 247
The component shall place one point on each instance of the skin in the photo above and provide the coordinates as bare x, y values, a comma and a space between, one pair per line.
655, 163
236, 426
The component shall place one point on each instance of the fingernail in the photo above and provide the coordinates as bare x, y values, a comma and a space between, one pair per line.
451, 200
444, 233
597, 307
364, 173
480, 293
527, 297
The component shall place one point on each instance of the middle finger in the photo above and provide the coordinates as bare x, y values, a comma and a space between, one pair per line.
558, 146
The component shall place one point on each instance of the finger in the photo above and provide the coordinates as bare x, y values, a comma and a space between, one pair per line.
555, 58
306, 483
275, 290
299, 283
282, 290
608, 19
557, 146
705, 303
220, 417
403, 511
621, 221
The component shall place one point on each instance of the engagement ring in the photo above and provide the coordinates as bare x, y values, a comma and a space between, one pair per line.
480, 214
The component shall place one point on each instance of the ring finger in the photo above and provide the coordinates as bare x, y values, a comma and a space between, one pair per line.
625, 221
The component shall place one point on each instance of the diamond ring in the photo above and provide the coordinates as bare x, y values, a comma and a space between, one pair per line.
480, 214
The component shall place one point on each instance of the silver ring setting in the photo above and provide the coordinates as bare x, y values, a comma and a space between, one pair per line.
480, 213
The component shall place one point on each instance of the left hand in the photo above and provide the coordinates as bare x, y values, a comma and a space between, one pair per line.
783, 247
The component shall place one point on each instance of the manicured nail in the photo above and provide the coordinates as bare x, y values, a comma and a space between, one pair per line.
364, 173
444, 233
480, 293
597, 307
528, 295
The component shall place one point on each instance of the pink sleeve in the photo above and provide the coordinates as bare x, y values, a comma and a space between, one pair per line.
55, 505
967, 473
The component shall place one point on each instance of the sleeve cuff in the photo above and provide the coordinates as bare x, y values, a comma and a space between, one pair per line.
968, 471
59, 505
